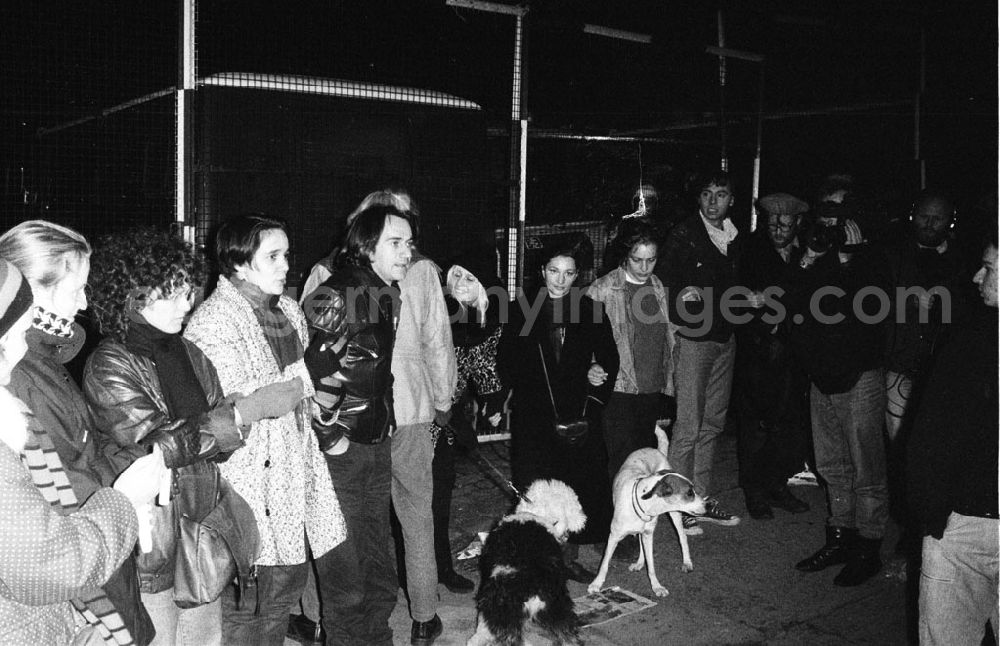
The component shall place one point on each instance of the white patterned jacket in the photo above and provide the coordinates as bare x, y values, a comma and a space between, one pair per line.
280, 472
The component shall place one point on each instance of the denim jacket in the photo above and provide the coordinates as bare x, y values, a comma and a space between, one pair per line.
610, 290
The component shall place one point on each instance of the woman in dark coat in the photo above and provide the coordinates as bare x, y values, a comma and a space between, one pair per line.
575, 338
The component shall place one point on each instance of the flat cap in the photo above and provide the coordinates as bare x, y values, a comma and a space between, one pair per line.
782, 204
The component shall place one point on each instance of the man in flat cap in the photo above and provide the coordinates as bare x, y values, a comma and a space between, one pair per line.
773, 393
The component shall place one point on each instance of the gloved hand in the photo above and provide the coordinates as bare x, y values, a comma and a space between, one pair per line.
272, 400
323, 355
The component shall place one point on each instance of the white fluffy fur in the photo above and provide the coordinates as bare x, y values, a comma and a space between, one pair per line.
13, 426
555, 502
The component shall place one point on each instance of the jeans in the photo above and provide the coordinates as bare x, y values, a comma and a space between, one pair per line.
850, 454
412, 493
201, 626
357, 579
628, 422
444, 484
958, 582
262, 616
703, 379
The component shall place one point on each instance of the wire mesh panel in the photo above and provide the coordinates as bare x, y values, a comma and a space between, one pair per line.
88, 114
309, 149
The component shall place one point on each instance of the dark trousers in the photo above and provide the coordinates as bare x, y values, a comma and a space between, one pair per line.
262, 618
444, 483
628, 422
357, 581
773, 396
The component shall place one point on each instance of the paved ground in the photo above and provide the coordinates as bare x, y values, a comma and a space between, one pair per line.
744, 589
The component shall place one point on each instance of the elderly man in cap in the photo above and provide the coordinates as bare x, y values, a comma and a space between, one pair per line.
773, 393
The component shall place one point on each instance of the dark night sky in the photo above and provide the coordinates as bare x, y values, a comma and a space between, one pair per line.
65, 59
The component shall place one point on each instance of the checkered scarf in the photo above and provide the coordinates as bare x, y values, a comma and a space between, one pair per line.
46, 469
53, 324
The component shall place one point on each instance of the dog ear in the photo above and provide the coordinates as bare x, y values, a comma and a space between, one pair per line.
662, 489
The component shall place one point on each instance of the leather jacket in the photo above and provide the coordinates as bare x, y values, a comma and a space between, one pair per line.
355, 305
124, 393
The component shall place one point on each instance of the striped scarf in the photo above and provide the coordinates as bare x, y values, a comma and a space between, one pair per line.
45, 467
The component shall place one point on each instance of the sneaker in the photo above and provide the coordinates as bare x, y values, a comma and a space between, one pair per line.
691, 527
715, 514
804, 478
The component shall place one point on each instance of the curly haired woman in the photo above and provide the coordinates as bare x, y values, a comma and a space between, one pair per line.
146, 384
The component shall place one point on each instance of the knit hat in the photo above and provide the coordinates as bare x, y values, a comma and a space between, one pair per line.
480, 261
15, 296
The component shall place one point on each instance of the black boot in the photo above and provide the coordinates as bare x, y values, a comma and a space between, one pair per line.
864, 563
839, 542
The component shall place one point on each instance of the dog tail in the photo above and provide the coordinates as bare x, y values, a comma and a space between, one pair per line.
662, 443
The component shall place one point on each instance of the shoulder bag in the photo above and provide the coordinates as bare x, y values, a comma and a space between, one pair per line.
571, 431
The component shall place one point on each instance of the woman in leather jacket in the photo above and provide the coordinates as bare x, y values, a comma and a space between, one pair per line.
148, 385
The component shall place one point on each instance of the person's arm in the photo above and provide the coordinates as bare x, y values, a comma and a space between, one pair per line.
436, 341
125, 411
47, 558
605, 354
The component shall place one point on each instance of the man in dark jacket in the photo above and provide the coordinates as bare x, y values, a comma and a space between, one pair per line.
837, 335
952, 477
700, 259
355, 312
927, 260
773, 392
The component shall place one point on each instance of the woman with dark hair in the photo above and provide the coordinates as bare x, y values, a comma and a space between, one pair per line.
149, 386
565, 348
255, 336
636, 304
355, 312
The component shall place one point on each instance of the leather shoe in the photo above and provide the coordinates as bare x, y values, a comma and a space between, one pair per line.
455, 582
783, 498
305, 630
578, 573
424, 633
757, 506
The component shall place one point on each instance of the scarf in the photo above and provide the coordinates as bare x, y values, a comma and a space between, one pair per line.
179, 382
279, 331
40, 458
721, 237
51, 323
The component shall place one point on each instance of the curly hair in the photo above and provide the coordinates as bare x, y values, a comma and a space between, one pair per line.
129, 270
633, 232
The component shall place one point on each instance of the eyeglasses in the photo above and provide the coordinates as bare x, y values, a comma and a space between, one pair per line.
777, 226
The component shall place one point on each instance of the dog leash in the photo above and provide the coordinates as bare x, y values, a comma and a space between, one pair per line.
517, 492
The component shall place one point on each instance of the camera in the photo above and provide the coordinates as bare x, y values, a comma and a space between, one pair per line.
828, 236
828, 231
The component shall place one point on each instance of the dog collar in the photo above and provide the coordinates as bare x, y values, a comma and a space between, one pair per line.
637, 506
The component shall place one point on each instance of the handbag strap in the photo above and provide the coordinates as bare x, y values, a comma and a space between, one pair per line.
545, 370
548, 385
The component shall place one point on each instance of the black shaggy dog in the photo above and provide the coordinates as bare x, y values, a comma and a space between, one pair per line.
522, 575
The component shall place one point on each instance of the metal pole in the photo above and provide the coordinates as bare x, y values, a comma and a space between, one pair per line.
185, 87
518, 150
918, 110
723, 153
760, 138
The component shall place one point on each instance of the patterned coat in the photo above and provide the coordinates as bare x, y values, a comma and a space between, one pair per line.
280, 472
46, 558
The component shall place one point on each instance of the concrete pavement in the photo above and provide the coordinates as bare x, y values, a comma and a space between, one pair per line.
743, 590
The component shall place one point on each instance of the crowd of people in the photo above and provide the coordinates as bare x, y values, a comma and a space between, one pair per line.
333, 421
